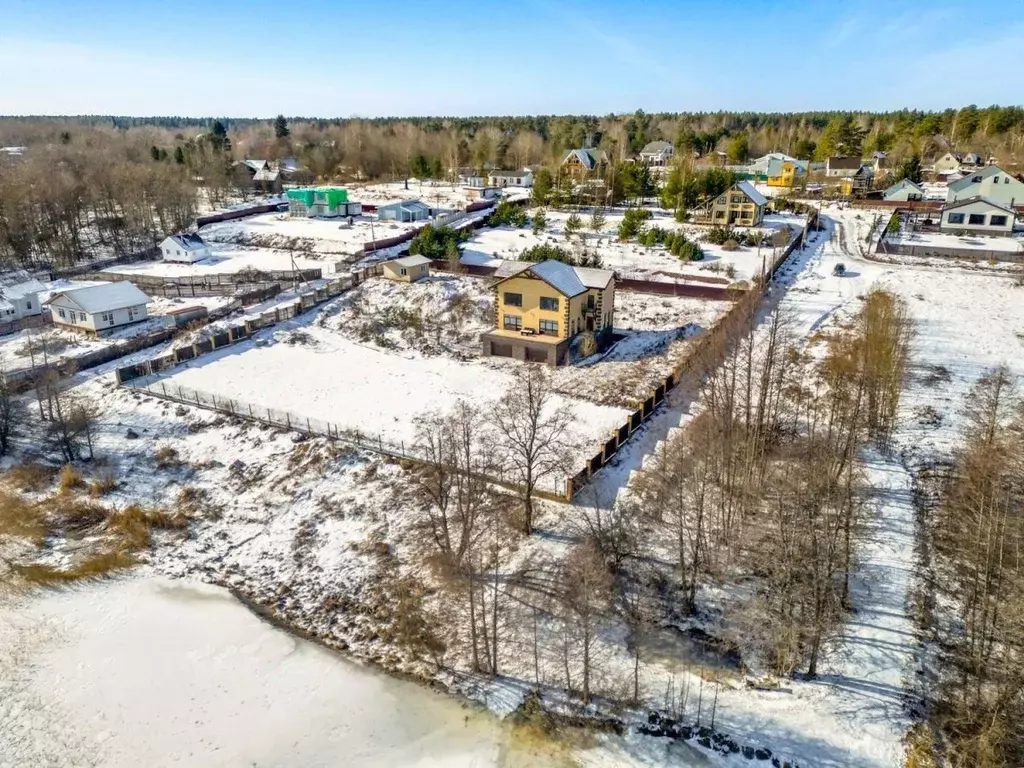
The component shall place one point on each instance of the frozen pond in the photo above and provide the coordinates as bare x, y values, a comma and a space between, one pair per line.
148, 671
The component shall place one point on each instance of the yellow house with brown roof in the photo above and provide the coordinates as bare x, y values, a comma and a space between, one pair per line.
541, 308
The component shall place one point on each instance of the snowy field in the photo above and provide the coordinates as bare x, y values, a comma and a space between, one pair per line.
1013, 244
317, 373
315, 236
442, 195
629, 259
226, 258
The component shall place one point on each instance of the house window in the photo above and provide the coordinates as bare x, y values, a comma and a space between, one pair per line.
997, 221
1006, 180
513, 323
976, 218
995, 179
28, 305
976, 179
513, 299
404, 272
548, 303
719, 214
60, 312
736, 199
81, 316
549, 327
955, 218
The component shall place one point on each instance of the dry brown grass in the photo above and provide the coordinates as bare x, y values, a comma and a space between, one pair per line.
30, 478
167, 457
135, 524
92, 567
21, 519
74, 514
70, 479
102, 485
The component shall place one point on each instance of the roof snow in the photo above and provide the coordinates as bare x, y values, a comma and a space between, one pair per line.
559, 276
748, 189
188, 241
265, 174
411, 261
20, 290
104, 298
983, 173
594, 278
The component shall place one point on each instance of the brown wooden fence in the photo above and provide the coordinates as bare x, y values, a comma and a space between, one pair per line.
219, 284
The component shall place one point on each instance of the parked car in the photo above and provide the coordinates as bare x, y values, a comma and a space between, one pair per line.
839, 270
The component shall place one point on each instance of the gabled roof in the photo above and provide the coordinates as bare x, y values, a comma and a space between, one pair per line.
656, 148
265, 174
254, 165
408, 205
188, 241
559, 276
748, 189
901, 184
410, 261
976, 199
589, 158
23, 289
972, 158
594, 278
843, 163
103, 298
968, 180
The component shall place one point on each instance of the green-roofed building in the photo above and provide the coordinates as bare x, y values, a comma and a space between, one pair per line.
325, 202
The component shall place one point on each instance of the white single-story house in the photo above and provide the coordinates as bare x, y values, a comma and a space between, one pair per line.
98, 308
407, 210
19, 293
904, 191
523, 178
468, 177
978, 216
408, 269
991, 182
184, 247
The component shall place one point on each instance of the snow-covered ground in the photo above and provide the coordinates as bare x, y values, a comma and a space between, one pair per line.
1013, 244
629, 259
314, 372
226, 258
317, 237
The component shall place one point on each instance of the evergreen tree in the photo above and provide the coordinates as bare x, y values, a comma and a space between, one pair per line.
179, 156
671, 189
219, 137
804, 149
540, 221
573, 225
281, 127
910, 168
597, 221
154, 153
842, 137
542, 185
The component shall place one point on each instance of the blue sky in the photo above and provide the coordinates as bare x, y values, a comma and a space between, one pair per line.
474, 57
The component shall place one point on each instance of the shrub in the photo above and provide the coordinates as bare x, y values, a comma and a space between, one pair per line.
506, 215
688, 251
730, 245
651, 237
21, 518
134, 524
30, 478
167, 457
70, 479
102, 485
633, 222
718, 235
433, 242
544, 252
573, 225
89, 568
540, 221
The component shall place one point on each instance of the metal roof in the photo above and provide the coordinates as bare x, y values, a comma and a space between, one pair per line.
594, 278
655, 147
559, 276
968, 179
748, 189
979, 199
103, 298
188, 241
411, 261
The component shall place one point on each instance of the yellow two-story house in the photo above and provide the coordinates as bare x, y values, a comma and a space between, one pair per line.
540, 308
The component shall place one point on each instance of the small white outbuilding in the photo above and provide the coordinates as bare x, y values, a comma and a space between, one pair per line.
185, 248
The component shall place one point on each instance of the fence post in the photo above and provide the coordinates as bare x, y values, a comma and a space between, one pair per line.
288, 418
250, 411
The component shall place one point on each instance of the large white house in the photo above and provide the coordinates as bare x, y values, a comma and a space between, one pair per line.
657, 154
991, 182
522, 178
184, 247
977, 216
98, 308
19, 296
